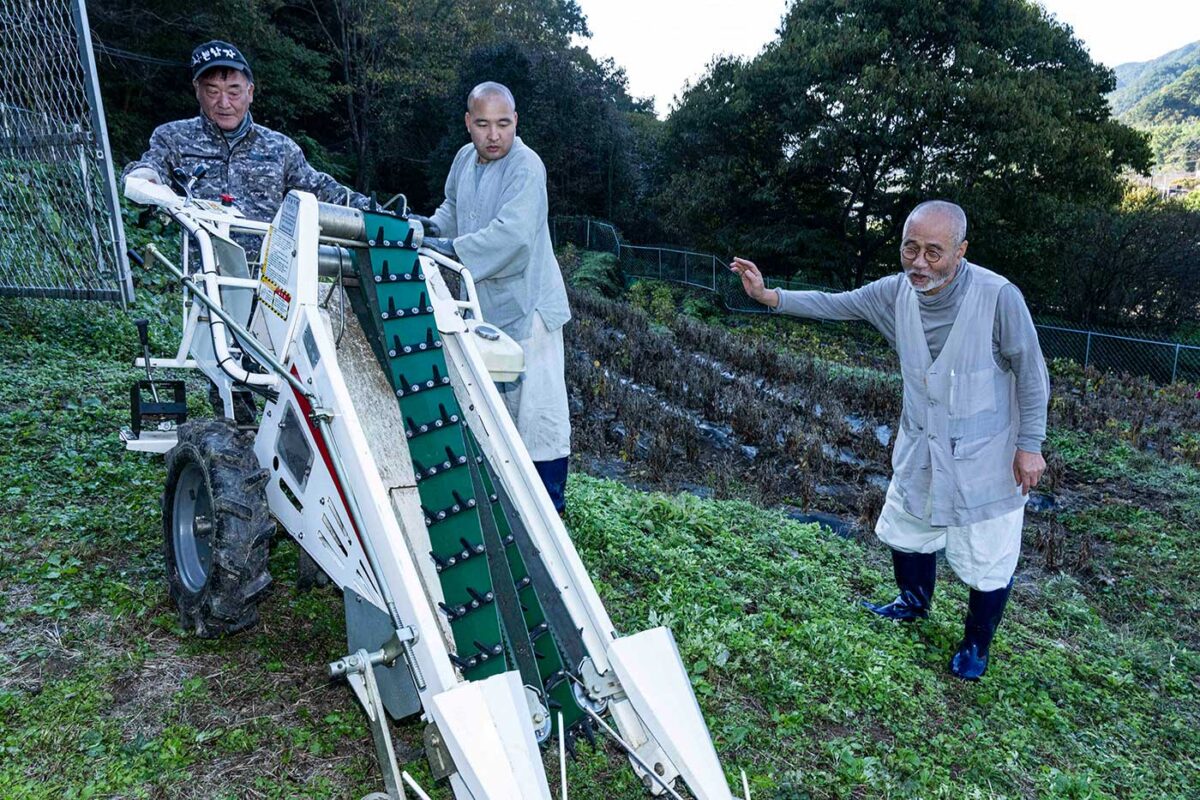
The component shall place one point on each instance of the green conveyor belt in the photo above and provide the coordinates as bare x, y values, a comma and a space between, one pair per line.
397, 318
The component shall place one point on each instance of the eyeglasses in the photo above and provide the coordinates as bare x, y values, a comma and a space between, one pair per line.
911, 251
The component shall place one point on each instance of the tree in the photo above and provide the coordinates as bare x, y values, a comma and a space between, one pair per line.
863, 107
373, 89
143, 48
1135, 266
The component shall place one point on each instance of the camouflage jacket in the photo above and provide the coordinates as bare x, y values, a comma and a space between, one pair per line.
257, 171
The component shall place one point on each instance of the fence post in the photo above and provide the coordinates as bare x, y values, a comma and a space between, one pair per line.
659, 262
588, 235
1175, 366
714, 277
1087, 353
103, 150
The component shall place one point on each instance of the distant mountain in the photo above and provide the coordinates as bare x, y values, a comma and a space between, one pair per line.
1162, 97
1163, 91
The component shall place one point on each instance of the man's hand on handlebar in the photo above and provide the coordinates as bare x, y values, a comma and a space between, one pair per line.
440, 245
431, 227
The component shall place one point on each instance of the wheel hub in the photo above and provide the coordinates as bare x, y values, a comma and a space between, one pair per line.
193, 528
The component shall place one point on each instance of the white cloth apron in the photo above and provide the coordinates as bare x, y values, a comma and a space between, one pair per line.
537, 401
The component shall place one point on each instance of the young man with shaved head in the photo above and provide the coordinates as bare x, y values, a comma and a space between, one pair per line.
968, 449
494, 220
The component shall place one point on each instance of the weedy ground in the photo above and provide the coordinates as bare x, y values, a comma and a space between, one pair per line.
1094, 692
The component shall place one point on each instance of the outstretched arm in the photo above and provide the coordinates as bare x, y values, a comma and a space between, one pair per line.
873, 303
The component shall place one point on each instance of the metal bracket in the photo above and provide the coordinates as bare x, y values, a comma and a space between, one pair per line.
320, 413
441, 765
539, 714
358, 669
594, 689
401, 640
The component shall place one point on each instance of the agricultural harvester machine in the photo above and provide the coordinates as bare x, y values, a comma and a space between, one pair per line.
383, 448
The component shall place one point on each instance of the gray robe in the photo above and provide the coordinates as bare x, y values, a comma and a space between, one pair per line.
496, 214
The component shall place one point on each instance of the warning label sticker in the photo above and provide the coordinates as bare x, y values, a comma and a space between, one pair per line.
287, 219
279, 260
274, 297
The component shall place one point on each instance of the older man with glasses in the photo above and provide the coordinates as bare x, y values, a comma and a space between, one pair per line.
968, 449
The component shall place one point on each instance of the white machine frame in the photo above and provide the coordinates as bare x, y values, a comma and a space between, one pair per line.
357, 513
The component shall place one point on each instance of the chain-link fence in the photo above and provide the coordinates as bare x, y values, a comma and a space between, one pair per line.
1161, 360
60, 227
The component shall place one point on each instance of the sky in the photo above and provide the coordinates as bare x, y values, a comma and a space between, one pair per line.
663, 44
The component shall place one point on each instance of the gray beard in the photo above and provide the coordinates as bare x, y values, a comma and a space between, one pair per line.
934, 286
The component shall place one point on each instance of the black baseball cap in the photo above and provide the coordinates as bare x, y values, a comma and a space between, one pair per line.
218, 54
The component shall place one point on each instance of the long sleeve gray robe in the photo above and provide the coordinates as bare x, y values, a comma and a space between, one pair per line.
496, 213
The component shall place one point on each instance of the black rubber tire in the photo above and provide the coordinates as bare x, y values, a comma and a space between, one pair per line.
217, 567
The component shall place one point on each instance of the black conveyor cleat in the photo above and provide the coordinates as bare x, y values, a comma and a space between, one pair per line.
413, 430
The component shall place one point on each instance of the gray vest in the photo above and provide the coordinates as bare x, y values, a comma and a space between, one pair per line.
953, 459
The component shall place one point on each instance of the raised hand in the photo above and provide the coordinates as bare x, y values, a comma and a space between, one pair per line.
752, 282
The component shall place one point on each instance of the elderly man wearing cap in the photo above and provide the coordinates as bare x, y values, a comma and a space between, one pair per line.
253, 165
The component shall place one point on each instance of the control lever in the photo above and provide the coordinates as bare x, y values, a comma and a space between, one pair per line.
185, 180
143, 329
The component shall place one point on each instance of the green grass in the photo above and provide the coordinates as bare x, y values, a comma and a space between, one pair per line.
1094, 691
798, 680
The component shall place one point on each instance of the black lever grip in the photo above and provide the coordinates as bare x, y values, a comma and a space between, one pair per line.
143, 329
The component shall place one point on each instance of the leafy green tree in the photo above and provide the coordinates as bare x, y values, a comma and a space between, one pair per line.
373, 89
143, 64
863, 107
1133, 266
1175, 103
1176, 146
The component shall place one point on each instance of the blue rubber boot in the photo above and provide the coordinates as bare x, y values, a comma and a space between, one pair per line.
554, 478
984, 611
915, 575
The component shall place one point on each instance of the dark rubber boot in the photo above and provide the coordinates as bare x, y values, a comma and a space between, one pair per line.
983, 615
915, 575
554, 478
